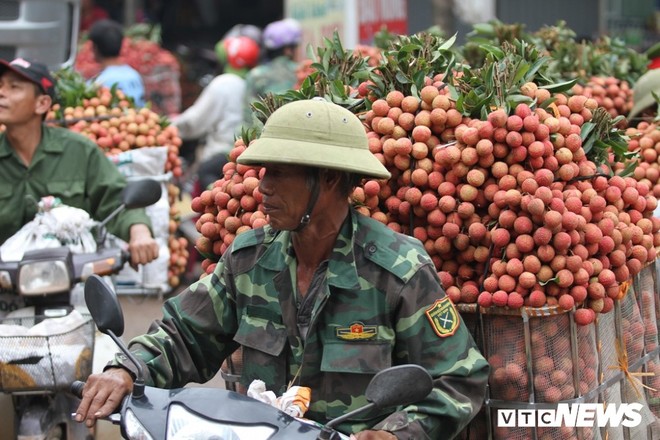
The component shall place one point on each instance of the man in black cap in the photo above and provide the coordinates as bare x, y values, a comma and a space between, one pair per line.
38, 160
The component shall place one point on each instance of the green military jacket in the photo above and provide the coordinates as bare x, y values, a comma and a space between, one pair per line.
66, 165
381, 305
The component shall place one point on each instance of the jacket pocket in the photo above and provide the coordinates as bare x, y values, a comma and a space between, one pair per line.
5, 193
348, 368
356, 357
11, 216
263, 341
260, 333
71, 192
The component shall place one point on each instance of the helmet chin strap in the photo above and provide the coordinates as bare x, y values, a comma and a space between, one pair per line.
313, 197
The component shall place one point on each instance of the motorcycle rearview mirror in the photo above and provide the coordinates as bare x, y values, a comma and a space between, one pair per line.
106, 312
395, 386
104, 306
141, 193
399, 385
136, 194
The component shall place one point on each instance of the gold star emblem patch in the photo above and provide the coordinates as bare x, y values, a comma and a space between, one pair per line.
357, 332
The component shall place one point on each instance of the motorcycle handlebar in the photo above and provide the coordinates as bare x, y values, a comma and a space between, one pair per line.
125, 257
77, 388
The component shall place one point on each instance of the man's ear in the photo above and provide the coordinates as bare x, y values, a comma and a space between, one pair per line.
43, 104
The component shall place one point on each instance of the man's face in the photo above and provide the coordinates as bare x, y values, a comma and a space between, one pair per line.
285, 194
19, 100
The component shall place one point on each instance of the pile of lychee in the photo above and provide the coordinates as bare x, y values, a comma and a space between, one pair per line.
613, 94
645, 139
230, 207
510, 209
116, 126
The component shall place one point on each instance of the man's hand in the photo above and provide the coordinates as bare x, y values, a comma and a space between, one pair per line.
373, 435
102, 394
142, 246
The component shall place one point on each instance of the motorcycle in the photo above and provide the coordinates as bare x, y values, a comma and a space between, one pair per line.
38, 369
211, 413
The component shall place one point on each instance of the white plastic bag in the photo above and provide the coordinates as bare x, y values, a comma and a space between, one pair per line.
149, 162
31, 236
55, 225
294, 401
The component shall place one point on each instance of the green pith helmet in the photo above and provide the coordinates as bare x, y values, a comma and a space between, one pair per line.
315, 133
646, 85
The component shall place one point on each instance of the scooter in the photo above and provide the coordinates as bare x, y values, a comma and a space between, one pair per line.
39, 375
211, 413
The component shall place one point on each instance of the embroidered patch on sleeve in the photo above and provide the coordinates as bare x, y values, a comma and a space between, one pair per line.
443, 317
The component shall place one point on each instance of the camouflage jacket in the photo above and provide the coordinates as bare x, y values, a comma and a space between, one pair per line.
381, 304
276, 76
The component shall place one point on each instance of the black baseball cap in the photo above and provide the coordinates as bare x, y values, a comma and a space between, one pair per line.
33, 71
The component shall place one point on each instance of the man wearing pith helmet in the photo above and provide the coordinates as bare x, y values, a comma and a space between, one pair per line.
322, 297
355, 297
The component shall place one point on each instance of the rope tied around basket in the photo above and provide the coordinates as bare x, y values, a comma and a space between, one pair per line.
632, 376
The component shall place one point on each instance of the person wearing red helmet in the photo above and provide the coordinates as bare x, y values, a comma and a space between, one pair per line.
216, 115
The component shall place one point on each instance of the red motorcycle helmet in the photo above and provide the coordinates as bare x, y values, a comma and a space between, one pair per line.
242, 52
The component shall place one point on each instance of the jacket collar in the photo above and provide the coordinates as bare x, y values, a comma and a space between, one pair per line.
46, 145
342, 270
5, 149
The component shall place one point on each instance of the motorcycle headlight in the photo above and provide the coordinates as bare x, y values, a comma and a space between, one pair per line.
185, 425
133, 427
43, 277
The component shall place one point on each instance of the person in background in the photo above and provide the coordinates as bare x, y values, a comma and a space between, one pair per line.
245, 30
38, 160
90, 13
217, 113
278, 73
107, 37
322, 297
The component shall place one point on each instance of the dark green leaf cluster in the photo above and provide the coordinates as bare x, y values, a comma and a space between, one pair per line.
71, 88
493, 33
600, 137
498, 82
410, 60
568, 57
